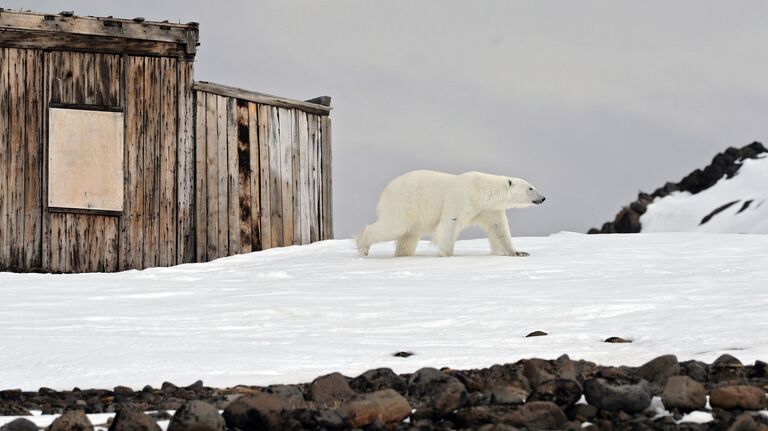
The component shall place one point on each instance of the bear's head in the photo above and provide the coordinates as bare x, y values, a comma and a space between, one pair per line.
521, 194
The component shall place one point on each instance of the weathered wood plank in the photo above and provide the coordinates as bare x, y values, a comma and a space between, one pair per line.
255, 175
266, 99
244, 176
313, 148
325, 170
233, 179
222, 179
132, 222
263, 119
167, 171
98, 26
185, 165
4, 156
286, 163
201, 192
212, 177
151, 162
34, 149
296, 176
111, 240
275, 179
15, 193
303, 147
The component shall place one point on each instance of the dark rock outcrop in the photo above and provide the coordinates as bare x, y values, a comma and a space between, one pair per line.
725, 164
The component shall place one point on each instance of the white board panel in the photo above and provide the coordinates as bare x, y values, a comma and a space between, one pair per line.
85, 156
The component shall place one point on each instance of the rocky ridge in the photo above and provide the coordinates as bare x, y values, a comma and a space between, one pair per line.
725, 164
529, 394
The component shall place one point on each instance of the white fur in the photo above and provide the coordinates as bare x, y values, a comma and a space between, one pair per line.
442, 205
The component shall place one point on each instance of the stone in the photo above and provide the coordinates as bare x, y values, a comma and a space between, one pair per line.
197, 416
658, 370
581, 412
745, 422
72, 420
538, 415
563, 392
123, 390
329, 418
473, 417
684, 394
541, 333
497, 427
387, 406
726, 368
403, 354
616, 340
330, 389
259, 411
615, 395
379, 379
567, 368
13, 408
508, 394
696, 370
19, 424
538, 371
738, 397
128, 419
291, 394
759, 370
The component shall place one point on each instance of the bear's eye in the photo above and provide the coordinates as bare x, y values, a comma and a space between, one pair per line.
530, 188
510, 182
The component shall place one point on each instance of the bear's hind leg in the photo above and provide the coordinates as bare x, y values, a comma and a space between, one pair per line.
376, 232
406, 245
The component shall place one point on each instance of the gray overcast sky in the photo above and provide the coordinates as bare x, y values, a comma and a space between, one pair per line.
590, 101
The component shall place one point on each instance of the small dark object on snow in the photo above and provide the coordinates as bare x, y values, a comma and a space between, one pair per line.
403, 354
616, 340
67, 13
536, 334
138, 19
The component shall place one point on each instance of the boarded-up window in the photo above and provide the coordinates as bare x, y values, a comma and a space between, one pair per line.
85, 159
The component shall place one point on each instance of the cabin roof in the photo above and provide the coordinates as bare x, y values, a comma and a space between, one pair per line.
67, 31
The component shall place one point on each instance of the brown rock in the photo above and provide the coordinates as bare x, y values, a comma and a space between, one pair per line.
616, 340
747, 423
260, 411
508, 394
536, 334
738, 397
386, 406
330, 389
658, 370
538, 415
72, 420
19, 424
538, 371
563, 392
128, 419
684, 393
197, 415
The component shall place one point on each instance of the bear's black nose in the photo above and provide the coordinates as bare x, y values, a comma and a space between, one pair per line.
543, 198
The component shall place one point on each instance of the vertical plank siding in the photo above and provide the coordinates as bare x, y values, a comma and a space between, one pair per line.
206, 175
260, 176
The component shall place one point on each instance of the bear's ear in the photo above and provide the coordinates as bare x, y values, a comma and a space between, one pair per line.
509, 181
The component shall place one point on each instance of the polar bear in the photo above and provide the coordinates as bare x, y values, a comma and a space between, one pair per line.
442, 205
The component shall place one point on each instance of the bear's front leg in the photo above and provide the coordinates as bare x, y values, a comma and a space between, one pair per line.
495, 223
445, 237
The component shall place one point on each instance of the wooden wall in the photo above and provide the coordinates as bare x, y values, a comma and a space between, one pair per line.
206, 175
156, 226
263, 176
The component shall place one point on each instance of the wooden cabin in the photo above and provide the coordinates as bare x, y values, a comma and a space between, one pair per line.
112, 157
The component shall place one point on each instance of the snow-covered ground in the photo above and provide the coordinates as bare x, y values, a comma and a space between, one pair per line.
288, 315
684, 212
